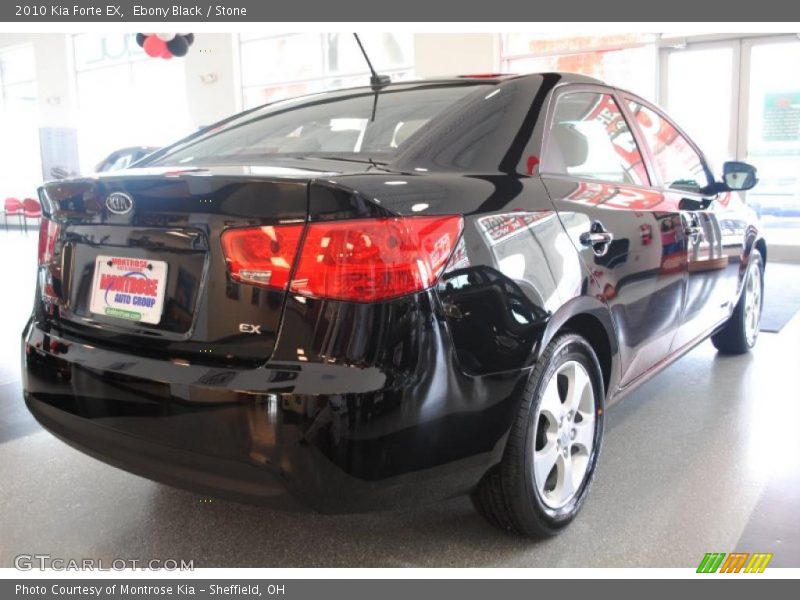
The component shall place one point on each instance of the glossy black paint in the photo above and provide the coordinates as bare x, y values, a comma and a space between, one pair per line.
354, 406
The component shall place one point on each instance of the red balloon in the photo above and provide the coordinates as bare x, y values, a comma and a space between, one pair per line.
167, 54
154, 46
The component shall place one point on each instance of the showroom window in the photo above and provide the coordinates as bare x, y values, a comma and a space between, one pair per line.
282, 66
125, 98
18, 78
19, 122
626, 60
749, 109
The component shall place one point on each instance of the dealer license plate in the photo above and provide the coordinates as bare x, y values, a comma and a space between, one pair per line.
129, 288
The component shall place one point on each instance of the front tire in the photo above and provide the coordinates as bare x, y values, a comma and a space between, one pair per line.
740, 332
550, 459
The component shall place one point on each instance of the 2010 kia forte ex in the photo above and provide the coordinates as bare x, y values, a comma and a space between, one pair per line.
387, 295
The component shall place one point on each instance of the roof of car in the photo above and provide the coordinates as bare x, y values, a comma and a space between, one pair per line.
472, 78
565, 75
496, 78
488, 78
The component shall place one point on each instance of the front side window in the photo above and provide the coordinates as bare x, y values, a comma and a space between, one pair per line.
678, 164
590, 139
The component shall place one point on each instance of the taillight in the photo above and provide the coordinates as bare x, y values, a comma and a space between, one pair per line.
262, 255
363, 260
48, 234
367, 260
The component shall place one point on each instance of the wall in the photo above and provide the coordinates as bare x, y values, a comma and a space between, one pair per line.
212, 81
53, 74
437, 54
20, 130
212, 53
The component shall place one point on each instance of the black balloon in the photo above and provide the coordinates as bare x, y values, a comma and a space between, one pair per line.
178, 46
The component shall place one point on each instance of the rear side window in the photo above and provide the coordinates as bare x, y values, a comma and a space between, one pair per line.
359, 124
677, 163
589, 138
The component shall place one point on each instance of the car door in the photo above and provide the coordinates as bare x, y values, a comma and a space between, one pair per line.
713, 244
628, 234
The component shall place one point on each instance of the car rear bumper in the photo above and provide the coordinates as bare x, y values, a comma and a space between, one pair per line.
204, 474
332, 437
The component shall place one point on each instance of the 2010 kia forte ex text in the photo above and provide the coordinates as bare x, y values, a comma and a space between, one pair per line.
386, 295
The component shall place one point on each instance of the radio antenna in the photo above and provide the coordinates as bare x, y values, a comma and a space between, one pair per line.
376, 81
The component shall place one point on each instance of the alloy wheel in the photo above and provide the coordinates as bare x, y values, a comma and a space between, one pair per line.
564, 434
752, 304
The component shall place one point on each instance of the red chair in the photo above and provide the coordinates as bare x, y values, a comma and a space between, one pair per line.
12, 207
31, 210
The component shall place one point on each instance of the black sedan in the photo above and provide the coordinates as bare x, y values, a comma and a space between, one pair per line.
388, 295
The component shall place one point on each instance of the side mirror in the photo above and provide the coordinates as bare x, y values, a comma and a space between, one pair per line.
737, 177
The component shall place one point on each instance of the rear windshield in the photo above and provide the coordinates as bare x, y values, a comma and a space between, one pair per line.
357, 125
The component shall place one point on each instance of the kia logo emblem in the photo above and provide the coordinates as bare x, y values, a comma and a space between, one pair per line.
119, 203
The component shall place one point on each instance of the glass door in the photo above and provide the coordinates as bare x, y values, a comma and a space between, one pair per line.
700, 90
770, 123
740, 100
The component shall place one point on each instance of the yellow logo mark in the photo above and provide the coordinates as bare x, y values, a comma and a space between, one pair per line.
758, 562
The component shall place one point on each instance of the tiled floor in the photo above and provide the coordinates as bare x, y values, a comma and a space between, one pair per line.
704, 457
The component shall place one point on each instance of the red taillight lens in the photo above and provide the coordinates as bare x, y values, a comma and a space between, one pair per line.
48, 234
363, 260
367, 260
262, 255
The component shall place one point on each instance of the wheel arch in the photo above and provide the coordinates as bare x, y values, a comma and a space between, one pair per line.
591, 319
752, 241
761, 246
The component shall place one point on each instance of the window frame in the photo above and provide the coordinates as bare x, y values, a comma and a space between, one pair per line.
655, 175
573, 88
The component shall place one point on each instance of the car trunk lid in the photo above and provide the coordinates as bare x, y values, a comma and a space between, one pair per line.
162, 253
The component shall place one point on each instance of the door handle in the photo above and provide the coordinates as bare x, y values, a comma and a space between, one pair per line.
598, 238
693, 232
592, 238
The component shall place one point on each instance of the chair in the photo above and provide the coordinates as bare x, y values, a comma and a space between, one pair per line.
12, 207
31, 210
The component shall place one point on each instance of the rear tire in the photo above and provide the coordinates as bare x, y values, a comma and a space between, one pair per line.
551, 455
740, 332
